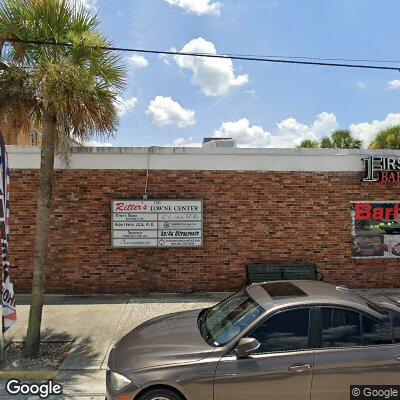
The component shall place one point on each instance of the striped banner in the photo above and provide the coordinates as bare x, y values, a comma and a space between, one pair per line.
9, 314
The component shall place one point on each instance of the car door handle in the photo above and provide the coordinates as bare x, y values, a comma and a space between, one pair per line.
299, 367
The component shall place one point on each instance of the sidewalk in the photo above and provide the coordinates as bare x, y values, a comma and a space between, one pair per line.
96, 323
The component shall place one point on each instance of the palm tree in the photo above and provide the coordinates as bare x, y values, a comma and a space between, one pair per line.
308, 144
340, 139
72, 89
387, 139
326, 143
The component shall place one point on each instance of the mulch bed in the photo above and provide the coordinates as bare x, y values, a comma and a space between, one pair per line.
50, 357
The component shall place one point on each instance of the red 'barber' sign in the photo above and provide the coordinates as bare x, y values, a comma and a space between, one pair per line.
377, 211
375, 229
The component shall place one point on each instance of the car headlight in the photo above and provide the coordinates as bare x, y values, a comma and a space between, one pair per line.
119, 381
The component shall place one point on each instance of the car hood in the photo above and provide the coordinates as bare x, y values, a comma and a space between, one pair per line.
170, 339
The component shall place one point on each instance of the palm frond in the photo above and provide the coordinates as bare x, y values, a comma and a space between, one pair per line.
19, 103
79, 83
308, 144
387, 139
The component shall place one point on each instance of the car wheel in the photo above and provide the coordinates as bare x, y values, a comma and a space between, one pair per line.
160, 394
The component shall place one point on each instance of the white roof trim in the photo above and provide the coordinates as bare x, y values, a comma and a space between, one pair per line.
201, 159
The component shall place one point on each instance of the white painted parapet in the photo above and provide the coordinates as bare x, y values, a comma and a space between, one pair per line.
201, 159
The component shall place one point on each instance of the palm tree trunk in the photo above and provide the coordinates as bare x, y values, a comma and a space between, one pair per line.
43, 214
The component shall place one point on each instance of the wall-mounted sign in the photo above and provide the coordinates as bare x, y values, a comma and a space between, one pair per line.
381, 169
375, 229
157, 223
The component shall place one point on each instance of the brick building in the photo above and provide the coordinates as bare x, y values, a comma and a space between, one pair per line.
259, 205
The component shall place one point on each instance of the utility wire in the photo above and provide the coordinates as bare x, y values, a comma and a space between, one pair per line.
320, 58
275, 59
230, 55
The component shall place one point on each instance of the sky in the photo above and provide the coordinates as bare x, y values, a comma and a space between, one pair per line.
177, 100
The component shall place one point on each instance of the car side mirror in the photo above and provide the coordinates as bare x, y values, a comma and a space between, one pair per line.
247, 346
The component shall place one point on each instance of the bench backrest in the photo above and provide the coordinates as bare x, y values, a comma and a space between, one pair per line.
264, 272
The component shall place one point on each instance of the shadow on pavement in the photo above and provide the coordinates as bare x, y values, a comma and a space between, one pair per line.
80, 382
58, 299
171, 298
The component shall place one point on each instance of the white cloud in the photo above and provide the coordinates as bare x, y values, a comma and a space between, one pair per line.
215, 76
138, 61
95, 143
245, 134
166, 111
394, 85
252, 93
361, 85
90, 5
366, 131
324, 124
291, 132
198, 7
185, 142
125, 105
166, 59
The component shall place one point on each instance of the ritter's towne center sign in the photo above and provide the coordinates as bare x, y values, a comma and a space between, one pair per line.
157, 223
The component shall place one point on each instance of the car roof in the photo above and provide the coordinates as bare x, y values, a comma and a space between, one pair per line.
288, 293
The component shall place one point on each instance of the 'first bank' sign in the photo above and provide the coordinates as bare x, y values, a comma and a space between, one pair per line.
381, 169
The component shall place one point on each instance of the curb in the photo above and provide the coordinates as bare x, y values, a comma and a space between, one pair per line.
35, 376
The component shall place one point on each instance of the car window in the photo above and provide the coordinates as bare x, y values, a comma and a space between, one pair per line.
229, 318
396, 328
340, 328
285, 331
376, 332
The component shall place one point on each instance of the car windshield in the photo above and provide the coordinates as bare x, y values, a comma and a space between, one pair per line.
222, 323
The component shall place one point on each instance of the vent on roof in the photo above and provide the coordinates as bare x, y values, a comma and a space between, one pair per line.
281, 290
219, 142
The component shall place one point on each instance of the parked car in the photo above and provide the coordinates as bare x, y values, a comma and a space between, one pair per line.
278, 340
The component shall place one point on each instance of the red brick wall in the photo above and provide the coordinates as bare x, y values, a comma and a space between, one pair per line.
248, 216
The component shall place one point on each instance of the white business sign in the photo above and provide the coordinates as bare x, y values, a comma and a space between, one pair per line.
157, 223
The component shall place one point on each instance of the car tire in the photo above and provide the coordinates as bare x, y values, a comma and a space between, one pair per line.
160, 394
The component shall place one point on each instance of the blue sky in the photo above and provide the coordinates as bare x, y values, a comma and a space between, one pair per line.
176, 101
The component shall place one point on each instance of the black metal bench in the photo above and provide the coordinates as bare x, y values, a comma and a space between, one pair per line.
264, 272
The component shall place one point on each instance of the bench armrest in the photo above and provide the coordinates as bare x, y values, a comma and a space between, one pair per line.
320, 276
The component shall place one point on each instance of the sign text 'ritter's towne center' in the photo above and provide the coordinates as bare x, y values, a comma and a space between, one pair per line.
157, 223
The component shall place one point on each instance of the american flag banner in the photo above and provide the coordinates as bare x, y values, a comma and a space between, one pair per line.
9, 314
